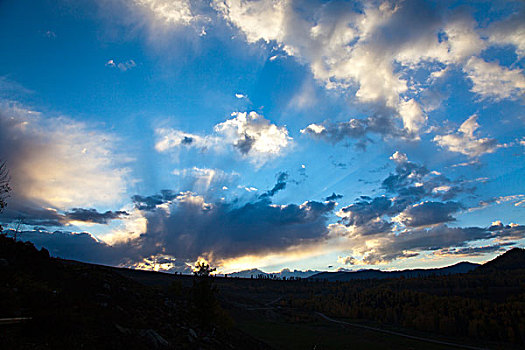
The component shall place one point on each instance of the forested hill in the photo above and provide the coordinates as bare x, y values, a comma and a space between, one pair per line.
513, 259
342, 276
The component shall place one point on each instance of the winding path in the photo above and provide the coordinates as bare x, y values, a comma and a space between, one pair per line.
399, 334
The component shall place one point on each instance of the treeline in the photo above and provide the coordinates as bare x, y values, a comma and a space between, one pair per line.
488, 305
484, 305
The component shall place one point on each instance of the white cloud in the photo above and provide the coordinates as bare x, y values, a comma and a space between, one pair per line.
509, 31
259, 20
171, 12
399, 157
313, 128
363, 52
490, 80
412, 115
58, 162
464, 141
253, 136
368, 53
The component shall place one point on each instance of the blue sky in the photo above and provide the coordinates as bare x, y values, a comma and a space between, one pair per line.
265, 134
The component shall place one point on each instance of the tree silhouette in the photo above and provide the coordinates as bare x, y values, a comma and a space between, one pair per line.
203, 270
204, 295
4, 188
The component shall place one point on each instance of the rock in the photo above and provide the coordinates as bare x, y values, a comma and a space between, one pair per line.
154, 339
123, 330
192, 333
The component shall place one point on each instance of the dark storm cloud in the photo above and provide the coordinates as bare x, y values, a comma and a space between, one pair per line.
410, 218
28, 213
476, 251
78, 246
405, 176
333, 197
444, 236
150, 202
381, 124
93, 216
280, 185
429, 213
414, 182
440, 237
362, 212
410, 184
191, 228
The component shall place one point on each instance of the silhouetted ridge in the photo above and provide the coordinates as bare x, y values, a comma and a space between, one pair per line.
462, 267
511, 260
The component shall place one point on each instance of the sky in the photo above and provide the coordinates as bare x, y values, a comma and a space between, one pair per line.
270, 134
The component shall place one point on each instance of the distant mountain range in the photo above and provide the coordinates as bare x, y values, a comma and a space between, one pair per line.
287, 273
461, 267
512, 259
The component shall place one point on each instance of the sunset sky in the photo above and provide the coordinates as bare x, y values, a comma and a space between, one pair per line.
265, 134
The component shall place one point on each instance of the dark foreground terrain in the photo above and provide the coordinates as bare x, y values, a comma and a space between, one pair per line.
72, 305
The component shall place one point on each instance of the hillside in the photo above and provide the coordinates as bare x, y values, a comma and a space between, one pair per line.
71, 305
513, 259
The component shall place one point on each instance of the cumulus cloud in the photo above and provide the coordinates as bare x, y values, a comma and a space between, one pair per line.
509, 31
354, 129
346, 260
428, 213
465, 141
250, 134
411, 217
490, 80
409, 185
365, 49
253, 135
